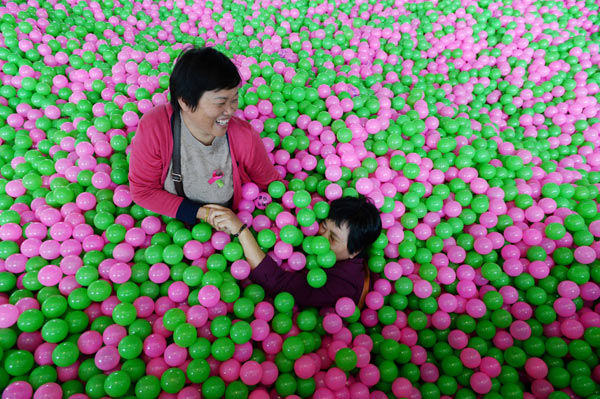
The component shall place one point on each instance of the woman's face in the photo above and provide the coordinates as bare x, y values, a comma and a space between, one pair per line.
213, 112
338, 238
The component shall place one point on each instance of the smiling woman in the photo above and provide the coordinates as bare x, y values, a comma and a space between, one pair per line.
194, 151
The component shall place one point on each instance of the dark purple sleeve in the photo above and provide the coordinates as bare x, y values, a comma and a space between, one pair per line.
274, 280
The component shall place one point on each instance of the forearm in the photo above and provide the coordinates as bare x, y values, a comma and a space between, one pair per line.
223, 219
155, 199
254, 255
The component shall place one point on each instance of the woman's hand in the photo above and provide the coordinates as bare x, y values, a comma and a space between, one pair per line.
223, 219
203, 213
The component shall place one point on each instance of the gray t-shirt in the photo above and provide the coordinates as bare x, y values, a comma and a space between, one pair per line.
199, 165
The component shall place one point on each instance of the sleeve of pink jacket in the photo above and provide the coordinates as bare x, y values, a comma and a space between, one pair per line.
260, 170
146, 167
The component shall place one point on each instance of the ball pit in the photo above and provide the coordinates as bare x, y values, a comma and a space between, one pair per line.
472, 125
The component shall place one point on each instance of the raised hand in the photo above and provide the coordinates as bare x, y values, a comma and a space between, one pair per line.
223, 219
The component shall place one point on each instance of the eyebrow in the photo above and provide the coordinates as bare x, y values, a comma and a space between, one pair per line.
226, 98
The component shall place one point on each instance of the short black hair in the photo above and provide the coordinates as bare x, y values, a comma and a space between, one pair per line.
198, 70
361, 217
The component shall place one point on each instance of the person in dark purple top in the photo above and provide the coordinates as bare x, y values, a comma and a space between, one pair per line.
352, 226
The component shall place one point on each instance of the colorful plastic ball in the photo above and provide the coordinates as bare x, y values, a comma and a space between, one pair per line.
18, 390
346, 359
316, 278
172, 380
9, 314
251, 373
213, 388
481, 383
117, 383
148, 387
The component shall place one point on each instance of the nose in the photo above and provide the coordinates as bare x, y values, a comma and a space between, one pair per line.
322, 231
231, 108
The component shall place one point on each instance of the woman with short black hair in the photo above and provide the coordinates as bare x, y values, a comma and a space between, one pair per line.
194, 151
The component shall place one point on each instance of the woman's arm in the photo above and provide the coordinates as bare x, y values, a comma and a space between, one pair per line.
254, 255
223, 219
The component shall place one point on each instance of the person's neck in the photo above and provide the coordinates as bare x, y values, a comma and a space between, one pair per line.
199, 134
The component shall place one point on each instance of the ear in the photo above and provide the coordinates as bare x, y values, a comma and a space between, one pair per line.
182, 105
354, 255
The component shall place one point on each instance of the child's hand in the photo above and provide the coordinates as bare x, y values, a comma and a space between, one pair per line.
223, 219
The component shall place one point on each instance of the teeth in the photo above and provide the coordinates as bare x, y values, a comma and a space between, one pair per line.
223, 122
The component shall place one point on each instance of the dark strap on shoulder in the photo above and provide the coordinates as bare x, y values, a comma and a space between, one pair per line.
176, 172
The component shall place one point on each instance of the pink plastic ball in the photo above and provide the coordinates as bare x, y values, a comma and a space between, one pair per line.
130, 119
107, 358
345, 307
175, 355
18, 390
50, 275
240, 269
209, 296
178, 291
536, 368
8, 315
89, 342
332, 323
481, 383
304, 367
50, 390
470, 358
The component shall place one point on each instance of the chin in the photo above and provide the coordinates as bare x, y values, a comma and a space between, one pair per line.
219, 131
341, 257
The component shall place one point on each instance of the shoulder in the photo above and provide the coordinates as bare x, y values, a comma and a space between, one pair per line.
242, 130
347, 278
354, 263
155, 125
157, 115
348, 269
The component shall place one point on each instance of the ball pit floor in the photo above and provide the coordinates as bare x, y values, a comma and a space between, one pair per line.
474, 127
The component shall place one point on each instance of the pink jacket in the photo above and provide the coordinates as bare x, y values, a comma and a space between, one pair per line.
151, 152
